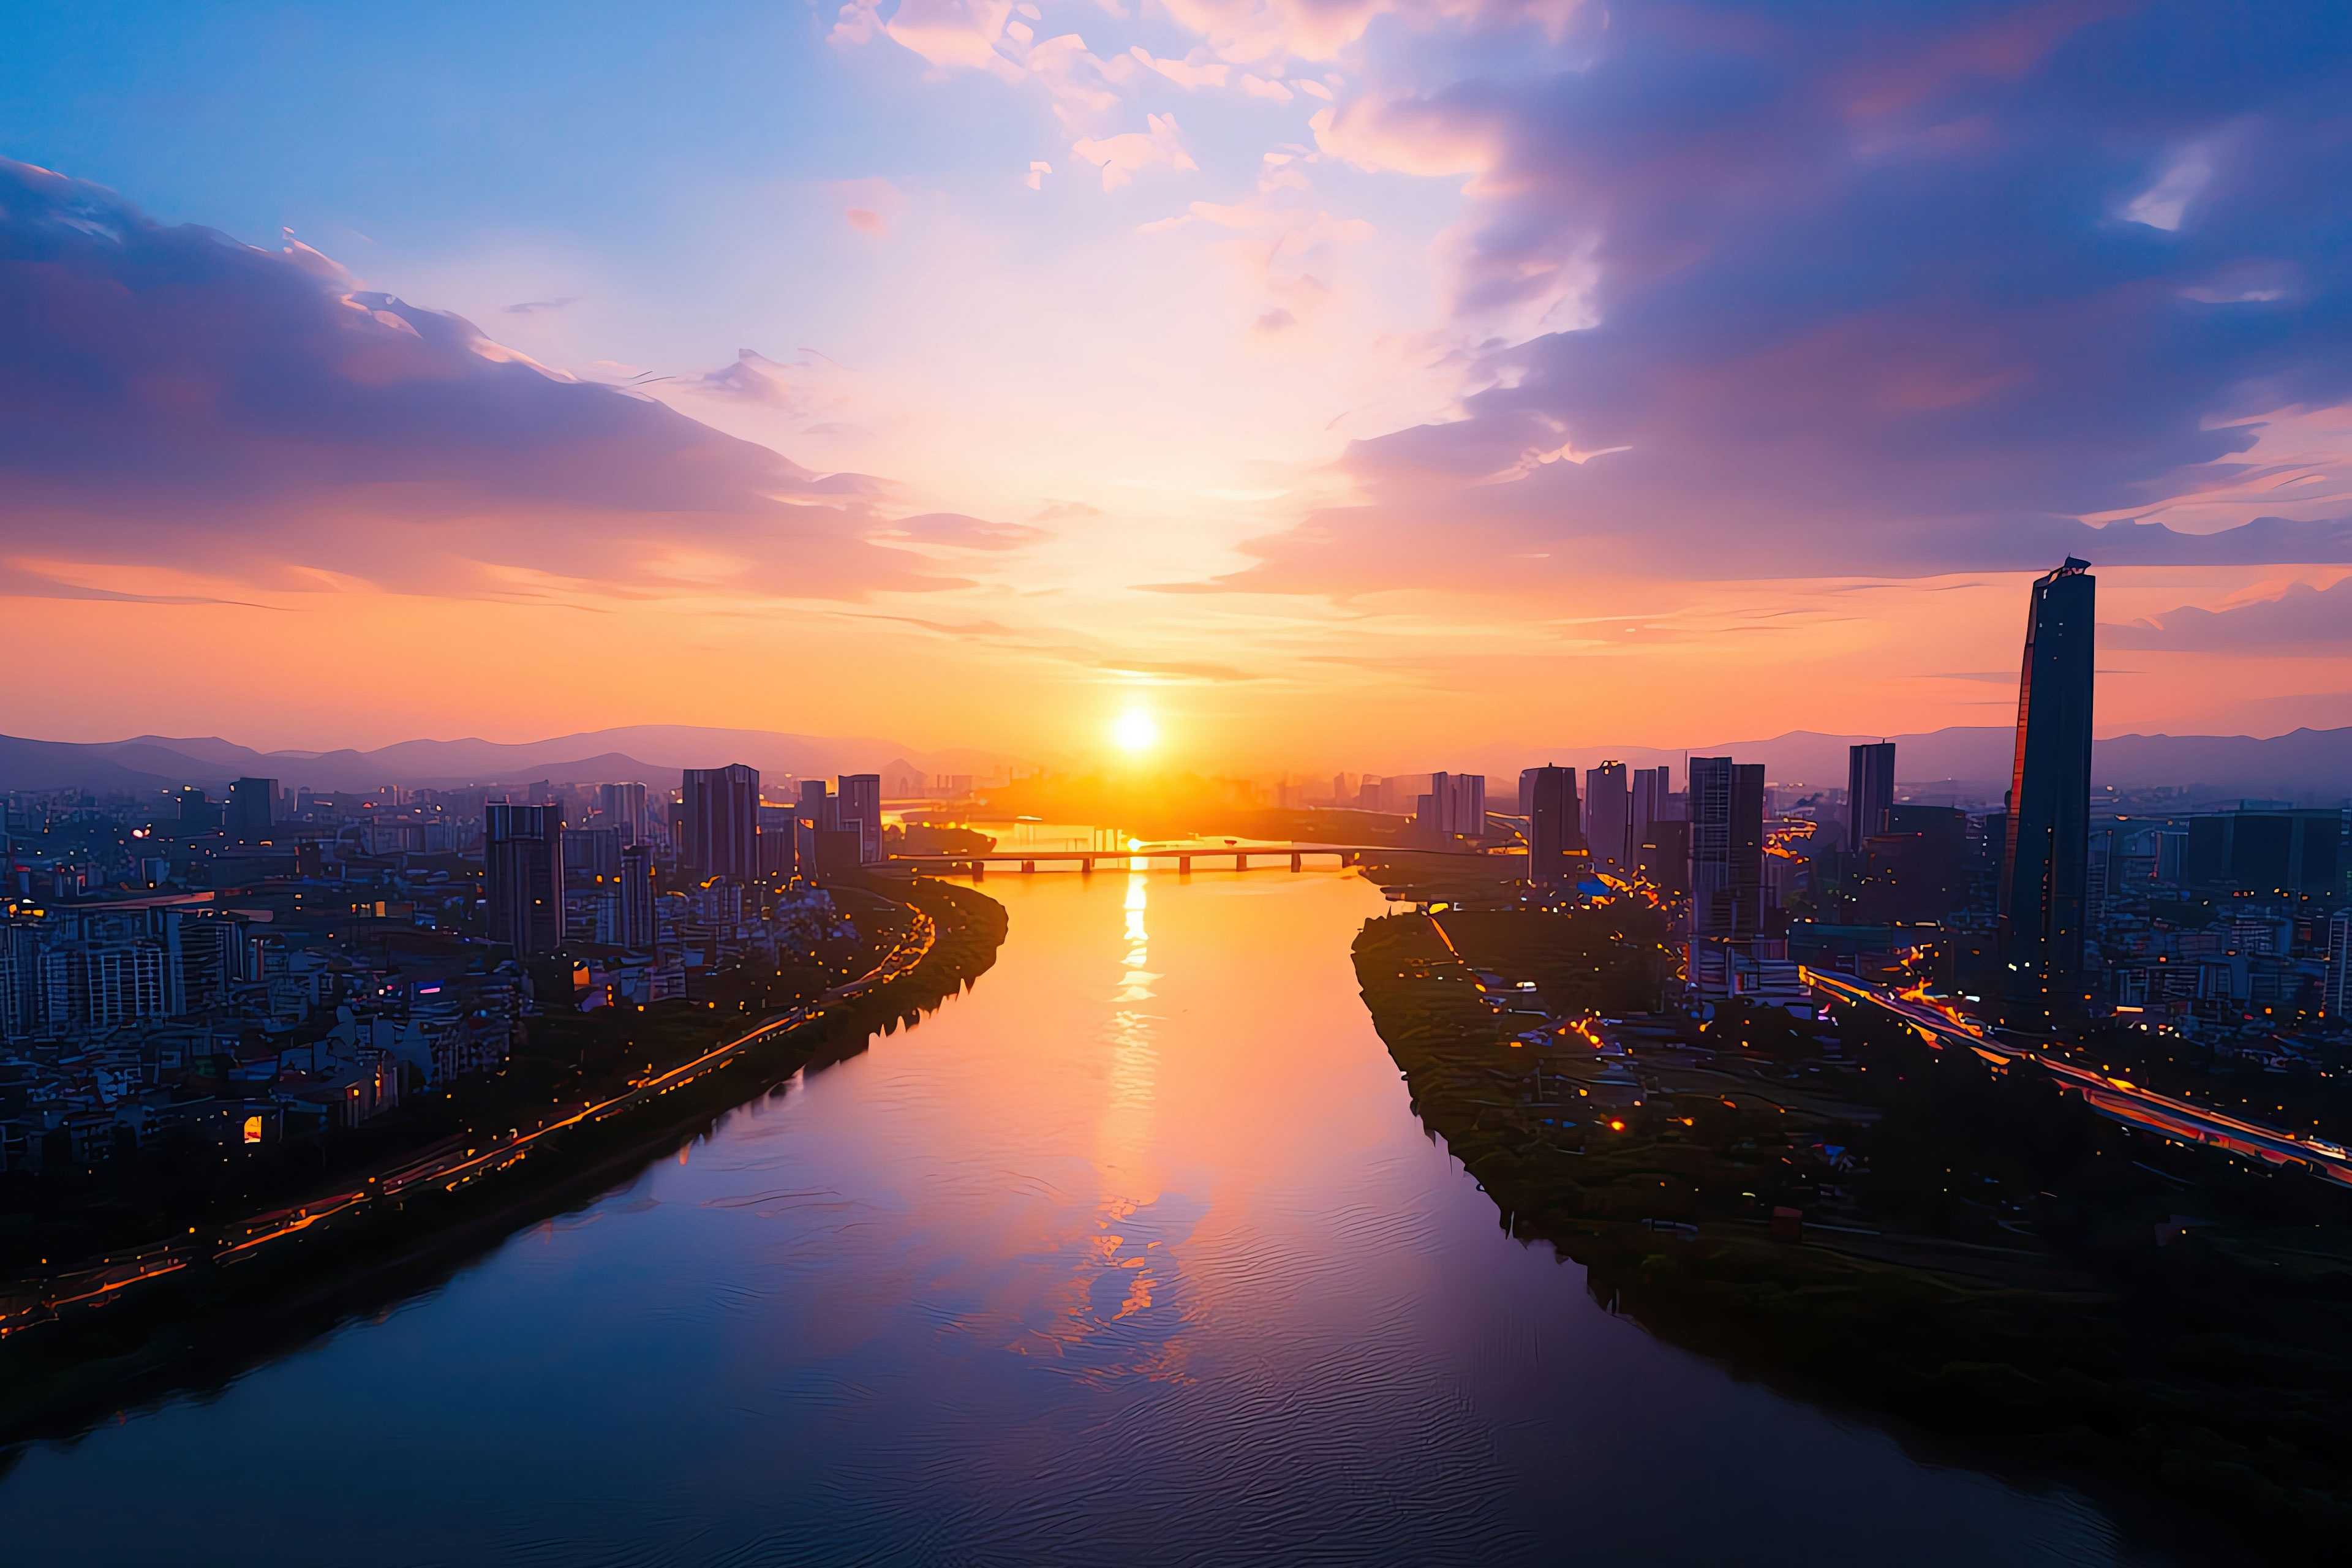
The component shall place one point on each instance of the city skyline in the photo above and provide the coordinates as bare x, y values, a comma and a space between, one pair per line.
1281, 378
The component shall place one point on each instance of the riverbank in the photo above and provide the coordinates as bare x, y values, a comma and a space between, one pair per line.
192, 1313
1965, 1249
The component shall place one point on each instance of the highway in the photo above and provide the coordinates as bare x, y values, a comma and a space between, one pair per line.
1940, 1025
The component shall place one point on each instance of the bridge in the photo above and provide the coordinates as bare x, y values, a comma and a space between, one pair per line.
2118, 1099
1232, 854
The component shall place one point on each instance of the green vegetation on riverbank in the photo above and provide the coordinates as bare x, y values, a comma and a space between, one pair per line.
2005, 1264
207, 1322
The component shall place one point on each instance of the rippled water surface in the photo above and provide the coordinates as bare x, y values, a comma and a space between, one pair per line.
1133, 1255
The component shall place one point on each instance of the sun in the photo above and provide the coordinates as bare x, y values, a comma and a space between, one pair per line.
1135, 732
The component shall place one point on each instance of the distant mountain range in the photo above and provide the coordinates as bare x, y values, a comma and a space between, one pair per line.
2308, 765
652, 752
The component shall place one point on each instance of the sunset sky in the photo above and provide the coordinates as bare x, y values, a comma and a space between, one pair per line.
1338, 380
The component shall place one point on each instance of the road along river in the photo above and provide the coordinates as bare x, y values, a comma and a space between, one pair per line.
1134, 1254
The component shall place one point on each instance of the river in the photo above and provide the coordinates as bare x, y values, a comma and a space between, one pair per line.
1133, 1254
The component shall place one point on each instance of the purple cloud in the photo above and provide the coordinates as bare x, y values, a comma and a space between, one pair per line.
2303, 620
170, 396
1891, 289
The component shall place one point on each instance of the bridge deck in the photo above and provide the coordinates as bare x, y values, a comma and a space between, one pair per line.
1242, 853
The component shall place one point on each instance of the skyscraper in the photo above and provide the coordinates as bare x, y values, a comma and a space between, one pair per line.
2045, 865
523, 862
635, 929
817, 813
593, 853
1727, 848
252, 810
1456, 804
624, 807
1548, 796
1609, 818
2336, 984
860, 808
1869, 791
1652, 791
720, 822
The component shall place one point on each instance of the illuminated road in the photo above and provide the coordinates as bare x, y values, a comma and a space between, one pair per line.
2119, 1099
448, 1169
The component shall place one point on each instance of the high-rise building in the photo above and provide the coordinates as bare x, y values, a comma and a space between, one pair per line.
199, 813
1548, 796
2097, 883
1869, 792
817, 813
1456, 805
1727, 848
624, 807
2260, 847
1664, 859
2046, 864
719, 824
592, 854
1609, 818
522, 863
860, 809
1652, 798
635, 929
2336, 984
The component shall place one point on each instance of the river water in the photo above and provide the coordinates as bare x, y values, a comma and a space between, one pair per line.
1134, 1254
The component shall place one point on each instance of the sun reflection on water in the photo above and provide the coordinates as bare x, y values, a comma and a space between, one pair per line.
1122, 1272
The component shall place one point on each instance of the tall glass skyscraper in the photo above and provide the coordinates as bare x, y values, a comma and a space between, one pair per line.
2045, 865
1548, 798
721, 824
1727, 848
1869, 792
1609, 825
522, 870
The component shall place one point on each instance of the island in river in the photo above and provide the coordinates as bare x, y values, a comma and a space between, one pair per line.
210, 1283
1850, 1211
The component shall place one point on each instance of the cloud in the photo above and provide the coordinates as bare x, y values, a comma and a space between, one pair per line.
954, 531
168, 397
1197, 71
1123, 156
868, 204
538, 307
22, 579
2303, 620
1790, 289
752, 378
948, 32
1172, 670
